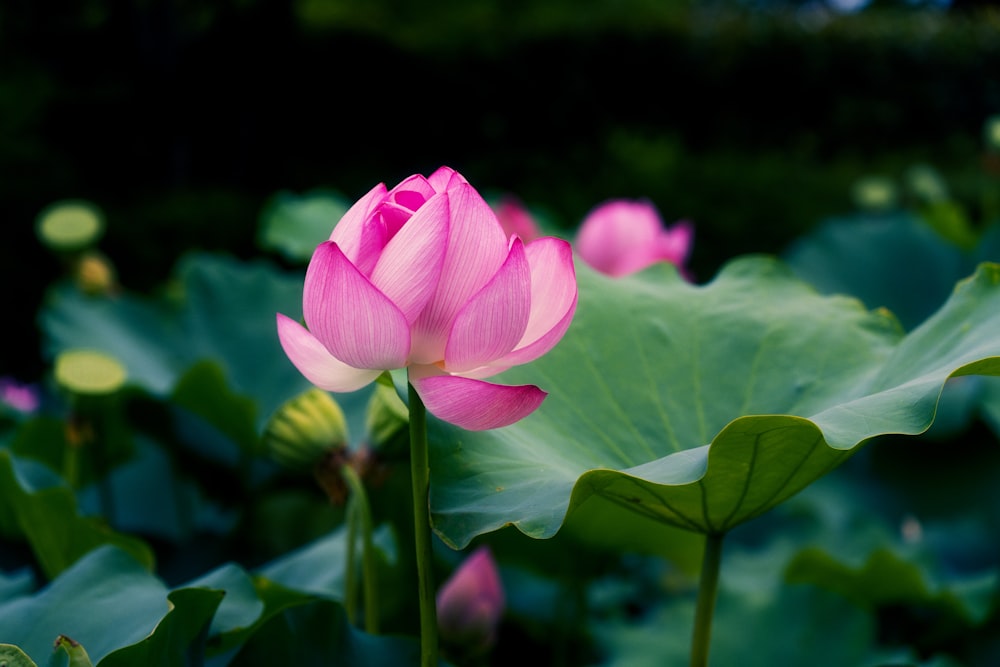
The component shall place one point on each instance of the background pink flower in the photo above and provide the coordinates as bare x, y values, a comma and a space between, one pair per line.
423, 276
471, 603
621, 237
515, 219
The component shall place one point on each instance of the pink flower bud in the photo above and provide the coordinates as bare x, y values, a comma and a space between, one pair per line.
516, 220
470, 603
622, 237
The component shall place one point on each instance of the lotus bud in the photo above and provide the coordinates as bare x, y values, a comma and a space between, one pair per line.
305, 430
95, 274
470, 604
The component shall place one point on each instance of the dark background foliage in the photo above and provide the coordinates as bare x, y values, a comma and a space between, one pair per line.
181, 118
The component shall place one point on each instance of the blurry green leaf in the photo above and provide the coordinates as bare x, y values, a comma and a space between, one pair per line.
701, 407
77, 654
225, 312
108, 601
12, 656
886, 578
316, 632
317, 568
295, 224
948, 219
178, 637
48, 518
203, 390
758, 621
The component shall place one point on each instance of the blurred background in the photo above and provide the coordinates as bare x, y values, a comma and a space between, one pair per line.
182, 119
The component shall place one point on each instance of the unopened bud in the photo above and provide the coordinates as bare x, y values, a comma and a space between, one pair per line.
470, 604
94, 274
305, 429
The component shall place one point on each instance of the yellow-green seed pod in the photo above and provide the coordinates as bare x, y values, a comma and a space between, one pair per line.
70, 225
89, 373
305, 429
991, 133
874, 194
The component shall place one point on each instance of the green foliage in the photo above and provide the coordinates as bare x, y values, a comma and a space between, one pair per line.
760, 387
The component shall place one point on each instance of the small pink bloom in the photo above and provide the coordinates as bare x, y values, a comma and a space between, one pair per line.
422, 276
622, 237
515, 219
21, 397
471, 603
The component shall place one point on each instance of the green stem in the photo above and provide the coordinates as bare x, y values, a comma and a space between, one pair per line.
420, 475
350, 568
361, 513
707, 590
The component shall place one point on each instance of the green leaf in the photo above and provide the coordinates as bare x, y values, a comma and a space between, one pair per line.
77, 654
12, 656
108, 601
886, 578
47, 516
295, 224
223, 311
701, 407
178, 637
316, 632
203, 391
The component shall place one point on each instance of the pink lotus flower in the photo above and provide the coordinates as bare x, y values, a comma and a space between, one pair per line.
423, 277
471, 603
622, 237
515, 219
22, 398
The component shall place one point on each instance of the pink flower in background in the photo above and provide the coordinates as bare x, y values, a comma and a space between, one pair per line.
471, 603
622, 237
422, 276
21, 397
515, 219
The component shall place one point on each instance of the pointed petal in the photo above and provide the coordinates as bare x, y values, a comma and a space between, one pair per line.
403, 200
315, 363
553, 300
476, 405
445, 178
494, 320
410, 265
477, 247
349, 232
355, 322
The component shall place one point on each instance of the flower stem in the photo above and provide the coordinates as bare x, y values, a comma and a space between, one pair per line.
707, 589
420, 475
350, 567
361, 517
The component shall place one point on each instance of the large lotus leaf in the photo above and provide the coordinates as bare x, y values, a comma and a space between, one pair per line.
704, 406
887, 578
224, 311
295, 224
45, 513
880, 251
108, 602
